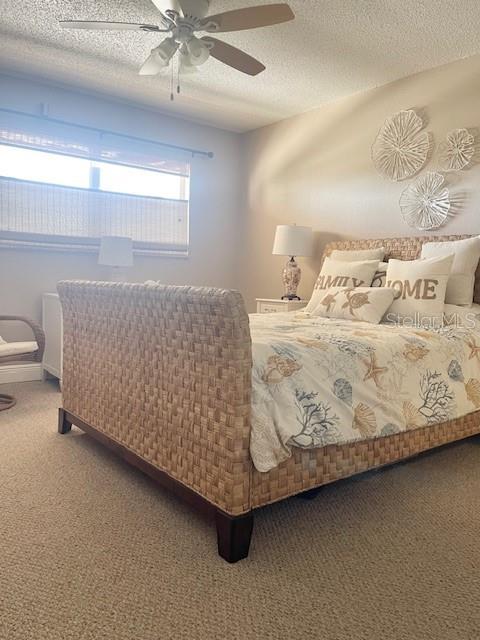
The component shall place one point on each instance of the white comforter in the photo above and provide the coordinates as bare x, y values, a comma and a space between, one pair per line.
319, 381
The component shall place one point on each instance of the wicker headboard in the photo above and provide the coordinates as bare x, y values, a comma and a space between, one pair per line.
408, 248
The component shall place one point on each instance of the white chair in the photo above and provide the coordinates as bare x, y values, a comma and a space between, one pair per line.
11, 352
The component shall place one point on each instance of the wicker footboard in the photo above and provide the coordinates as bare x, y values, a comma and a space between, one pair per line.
165, 372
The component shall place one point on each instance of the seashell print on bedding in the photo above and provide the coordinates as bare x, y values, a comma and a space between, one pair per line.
412, 416
389, 430
343, 390
364, 420
322, 381
472, 389
279, 368
455, 371
415, 352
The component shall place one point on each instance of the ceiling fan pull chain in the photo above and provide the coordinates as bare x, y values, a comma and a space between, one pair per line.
178, 76
172, 97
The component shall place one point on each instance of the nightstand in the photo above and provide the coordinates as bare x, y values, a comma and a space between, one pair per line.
267, 305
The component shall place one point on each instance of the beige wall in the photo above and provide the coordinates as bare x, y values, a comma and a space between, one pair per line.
315, 169
214, 210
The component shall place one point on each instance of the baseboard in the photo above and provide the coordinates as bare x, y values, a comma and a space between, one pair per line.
21, 372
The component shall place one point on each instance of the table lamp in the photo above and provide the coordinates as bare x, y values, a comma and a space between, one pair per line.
117, 253
292, 241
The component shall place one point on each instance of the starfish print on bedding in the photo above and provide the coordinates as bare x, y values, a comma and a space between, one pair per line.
373, 370
474, 349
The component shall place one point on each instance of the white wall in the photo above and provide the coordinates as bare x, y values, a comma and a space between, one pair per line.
316, 169
214, 207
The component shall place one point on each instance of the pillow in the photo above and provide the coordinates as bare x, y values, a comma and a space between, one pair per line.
462, 276
380, 277
420, 287
335, 273
361, 303
461, 316
360, 254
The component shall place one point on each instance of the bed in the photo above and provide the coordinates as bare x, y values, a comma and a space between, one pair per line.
163, 375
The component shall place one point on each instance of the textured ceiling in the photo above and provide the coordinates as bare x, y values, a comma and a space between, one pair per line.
334, 48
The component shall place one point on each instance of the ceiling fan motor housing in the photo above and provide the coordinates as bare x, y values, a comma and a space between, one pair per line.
183, 31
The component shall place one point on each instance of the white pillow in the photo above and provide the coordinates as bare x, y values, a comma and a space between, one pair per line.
380, 277
461, 316
366, 304
420, 287
17, 348
359, 254
462, 276
335, 273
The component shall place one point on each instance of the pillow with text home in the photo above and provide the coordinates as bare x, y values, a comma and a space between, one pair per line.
420, 287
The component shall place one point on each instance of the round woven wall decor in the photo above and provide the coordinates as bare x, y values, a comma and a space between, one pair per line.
425, 204
457, 150
401, 147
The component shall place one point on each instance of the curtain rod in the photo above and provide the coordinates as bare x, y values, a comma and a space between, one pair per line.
194, 152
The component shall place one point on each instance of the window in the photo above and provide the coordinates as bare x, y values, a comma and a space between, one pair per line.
60, 188
141, 182
28, 164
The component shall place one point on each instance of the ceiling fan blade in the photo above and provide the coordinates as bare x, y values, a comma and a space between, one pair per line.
168, 5
234, 57
152, 66
249, 18
195, 8
115, 26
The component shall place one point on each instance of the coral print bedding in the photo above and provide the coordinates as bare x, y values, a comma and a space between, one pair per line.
321, 381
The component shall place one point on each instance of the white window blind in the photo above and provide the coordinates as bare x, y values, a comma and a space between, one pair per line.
72, 186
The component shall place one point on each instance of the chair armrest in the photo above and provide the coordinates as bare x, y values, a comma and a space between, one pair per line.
36, 330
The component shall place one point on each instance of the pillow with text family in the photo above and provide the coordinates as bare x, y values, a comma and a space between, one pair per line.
337, 273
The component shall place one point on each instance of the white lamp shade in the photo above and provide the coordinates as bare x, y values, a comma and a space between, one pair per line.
291, 240
116, 251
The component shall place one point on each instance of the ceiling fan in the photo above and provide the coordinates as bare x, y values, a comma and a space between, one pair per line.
182, 19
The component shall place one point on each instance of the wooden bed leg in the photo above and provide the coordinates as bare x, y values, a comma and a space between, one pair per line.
64, 425
233, 535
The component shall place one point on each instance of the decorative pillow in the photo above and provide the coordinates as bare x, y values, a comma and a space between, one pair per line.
462, 276
380, 277
461, 316
335, 273
420, 287
361, 303
356, 255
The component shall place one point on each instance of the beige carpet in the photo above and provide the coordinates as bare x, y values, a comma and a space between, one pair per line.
90, 549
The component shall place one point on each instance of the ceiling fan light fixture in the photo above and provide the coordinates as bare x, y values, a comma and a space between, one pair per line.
199, 52
167, 50
186, 65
